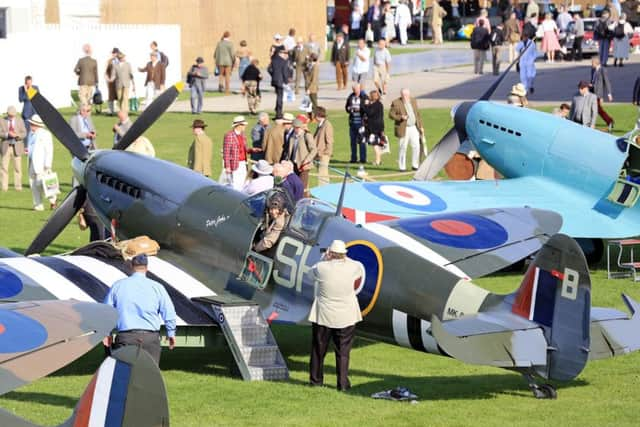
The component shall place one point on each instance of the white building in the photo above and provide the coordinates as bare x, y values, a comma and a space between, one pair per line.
49, 52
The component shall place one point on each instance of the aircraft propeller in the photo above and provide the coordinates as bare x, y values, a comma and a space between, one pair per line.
59, 127
450, 142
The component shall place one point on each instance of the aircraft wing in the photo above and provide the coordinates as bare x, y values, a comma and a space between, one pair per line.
87, 275
583, 215
474, 243
39, 337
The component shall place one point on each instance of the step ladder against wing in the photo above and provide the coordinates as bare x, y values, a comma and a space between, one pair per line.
248, 336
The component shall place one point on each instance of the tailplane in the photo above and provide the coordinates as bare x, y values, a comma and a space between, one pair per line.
127, 390
556, 294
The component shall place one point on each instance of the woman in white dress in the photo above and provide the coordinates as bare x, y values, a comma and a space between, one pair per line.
550, 40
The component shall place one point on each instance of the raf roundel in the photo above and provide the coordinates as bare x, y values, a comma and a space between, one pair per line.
368, 286
10, 284
407, 196
20, 333
464, 231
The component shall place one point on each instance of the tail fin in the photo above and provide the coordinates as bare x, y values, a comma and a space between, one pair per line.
556, 294
127, 390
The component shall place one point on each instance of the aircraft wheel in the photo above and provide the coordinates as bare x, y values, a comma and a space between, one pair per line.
549, 391
545, 391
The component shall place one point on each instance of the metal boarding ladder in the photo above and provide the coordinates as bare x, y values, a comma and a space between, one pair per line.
250, 339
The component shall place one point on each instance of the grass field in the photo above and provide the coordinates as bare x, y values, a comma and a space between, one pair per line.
203, 392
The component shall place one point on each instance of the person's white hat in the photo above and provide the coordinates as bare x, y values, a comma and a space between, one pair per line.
262, 168
239, 120
277, 36
338, 247
287, 118
36, 121
519, 89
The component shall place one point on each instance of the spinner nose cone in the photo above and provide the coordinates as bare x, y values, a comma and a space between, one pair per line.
460, 113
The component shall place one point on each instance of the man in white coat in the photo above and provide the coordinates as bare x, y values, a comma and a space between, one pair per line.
335, 312
40, 160
403, 20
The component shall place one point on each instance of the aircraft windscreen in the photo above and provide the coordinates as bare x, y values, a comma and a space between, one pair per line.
309, 216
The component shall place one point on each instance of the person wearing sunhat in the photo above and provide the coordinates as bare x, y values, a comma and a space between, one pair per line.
518, 96
261, 179
201, 149
334, 312
143, 306
275, 137
12, 135
234, 155
40, 160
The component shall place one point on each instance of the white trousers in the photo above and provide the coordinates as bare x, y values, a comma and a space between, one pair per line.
150, 94
236, 178
412, 138
402, 27
35, 182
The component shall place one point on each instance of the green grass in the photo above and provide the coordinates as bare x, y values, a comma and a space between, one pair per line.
203, 392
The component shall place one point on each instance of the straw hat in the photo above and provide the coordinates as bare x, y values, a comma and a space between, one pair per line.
262, 168
36, 121
338, 247
518, 89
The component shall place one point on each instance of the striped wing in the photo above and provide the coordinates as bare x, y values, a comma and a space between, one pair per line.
88, 278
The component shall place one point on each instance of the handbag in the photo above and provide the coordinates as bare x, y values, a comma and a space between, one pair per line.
133, 102
305, 105
50, 184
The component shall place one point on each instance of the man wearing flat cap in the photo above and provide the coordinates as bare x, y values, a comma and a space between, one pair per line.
196, 78
335, 312
301, 150
12, 135
143, 305
201, 149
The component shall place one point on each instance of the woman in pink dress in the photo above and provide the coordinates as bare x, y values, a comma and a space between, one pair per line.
550, 40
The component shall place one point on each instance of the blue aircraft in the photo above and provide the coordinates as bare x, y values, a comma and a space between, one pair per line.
587, 176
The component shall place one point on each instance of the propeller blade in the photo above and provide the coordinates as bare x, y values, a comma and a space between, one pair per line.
485, 96
57, 124
150, 115
58, 221
439, 156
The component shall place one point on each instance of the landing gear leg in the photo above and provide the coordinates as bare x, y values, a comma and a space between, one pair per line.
542, 391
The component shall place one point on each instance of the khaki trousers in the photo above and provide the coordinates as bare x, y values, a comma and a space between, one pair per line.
85, 92
17, 169
323, 170
342, 75
123, 99
225, 76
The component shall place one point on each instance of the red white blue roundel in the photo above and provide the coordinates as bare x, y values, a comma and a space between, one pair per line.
368, 286
465, 231
407, 196
10, 284
19, 333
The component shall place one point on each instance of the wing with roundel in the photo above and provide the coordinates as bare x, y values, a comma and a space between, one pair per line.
40, 337
584, 215
478, 242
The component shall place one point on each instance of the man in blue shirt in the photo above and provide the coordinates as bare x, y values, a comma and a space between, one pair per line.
142, 306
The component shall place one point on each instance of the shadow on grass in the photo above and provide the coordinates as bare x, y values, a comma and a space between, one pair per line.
42, 398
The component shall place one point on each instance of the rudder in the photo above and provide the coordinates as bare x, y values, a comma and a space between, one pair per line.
556, 294
126, 390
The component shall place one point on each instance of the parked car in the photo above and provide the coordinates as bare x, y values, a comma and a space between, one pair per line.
589, 45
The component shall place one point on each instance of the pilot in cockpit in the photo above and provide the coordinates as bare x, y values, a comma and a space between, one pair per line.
277, 220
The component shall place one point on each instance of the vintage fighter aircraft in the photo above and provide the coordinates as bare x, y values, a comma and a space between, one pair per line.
39, 337
415, 290
589, 177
